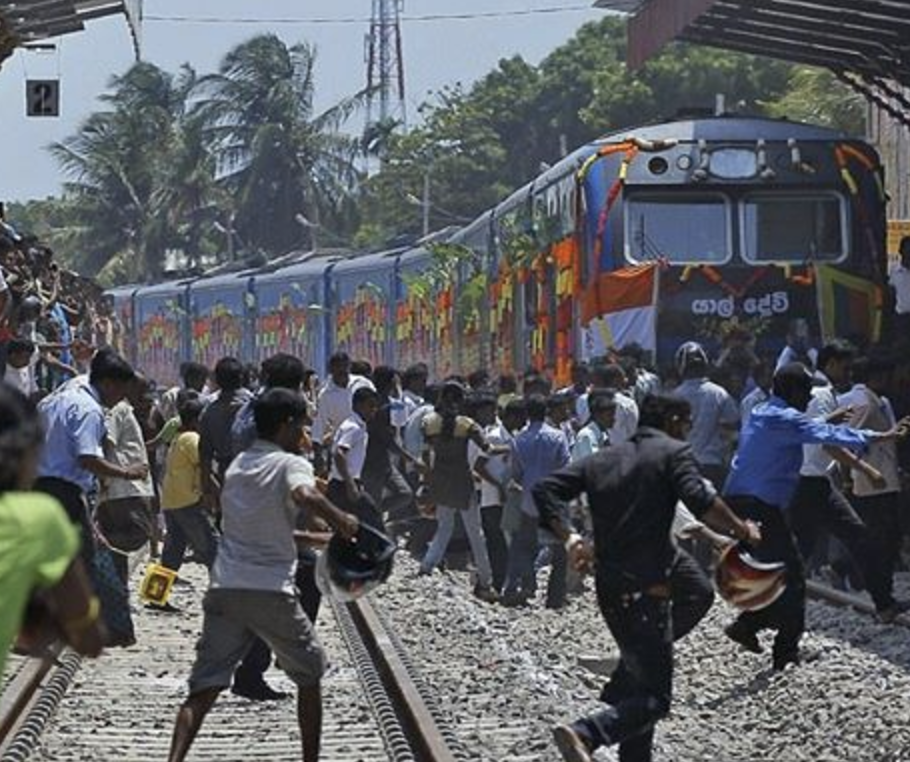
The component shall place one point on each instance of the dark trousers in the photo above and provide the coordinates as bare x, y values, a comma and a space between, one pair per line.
881, 515
390, 492
817, 507
557, 582
691, 597
642, 629
249, 674
520, 577
189, 526
787, 614
73, 500
497, 548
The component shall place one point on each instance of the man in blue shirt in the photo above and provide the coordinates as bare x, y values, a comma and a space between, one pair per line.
539, 450
73, 460
763, 479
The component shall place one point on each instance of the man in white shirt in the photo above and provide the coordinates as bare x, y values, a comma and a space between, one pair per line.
612, 376
899, 278
715, 415
596, 434
763, 377
818, 505
876, 500
494, 473
349, 451
22, 357
125, 513
333, 403
252, 591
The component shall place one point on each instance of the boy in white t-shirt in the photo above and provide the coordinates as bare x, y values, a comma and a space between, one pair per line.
22, 358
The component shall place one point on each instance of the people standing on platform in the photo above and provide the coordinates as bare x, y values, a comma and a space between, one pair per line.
632, 490
252, 591
763, 480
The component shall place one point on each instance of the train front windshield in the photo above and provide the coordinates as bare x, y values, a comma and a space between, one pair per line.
794, 228
684, 229
693, 229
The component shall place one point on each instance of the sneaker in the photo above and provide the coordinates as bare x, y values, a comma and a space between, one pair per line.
260, 692
890, 614
571, 744
801, 656
486, 593
748, 640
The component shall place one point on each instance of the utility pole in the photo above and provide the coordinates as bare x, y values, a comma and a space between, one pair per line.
425, 201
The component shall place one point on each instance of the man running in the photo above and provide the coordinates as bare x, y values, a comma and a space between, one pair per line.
252, 590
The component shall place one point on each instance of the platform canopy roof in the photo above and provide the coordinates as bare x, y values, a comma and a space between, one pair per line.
865, 42
24, 22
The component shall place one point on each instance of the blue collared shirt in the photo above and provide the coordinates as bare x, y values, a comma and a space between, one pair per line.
74, 427
767, 463
539, 450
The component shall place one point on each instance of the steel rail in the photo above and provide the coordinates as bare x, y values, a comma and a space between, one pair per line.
840, 598
427, 739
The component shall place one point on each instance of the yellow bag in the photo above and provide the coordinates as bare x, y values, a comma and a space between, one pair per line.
157, 583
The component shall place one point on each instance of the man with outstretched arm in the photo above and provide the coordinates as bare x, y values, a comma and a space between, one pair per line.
632, 491
252, 591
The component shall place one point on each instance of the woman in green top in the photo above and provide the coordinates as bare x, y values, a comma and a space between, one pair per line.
38, 547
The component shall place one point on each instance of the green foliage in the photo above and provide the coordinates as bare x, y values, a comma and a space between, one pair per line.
817, 96
174, 161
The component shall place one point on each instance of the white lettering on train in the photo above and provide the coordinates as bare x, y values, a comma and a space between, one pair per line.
777, 303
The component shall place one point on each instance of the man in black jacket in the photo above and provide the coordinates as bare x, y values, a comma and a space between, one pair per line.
632, 491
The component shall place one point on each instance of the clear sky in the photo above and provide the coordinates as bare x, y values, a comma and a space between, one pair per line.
437, 52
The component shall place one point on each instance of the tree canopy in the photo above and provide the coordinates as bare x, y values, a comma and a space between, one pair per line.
239, 161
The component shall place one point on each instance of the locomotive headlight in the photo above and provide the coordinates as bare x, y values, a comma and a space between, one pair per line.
734, 163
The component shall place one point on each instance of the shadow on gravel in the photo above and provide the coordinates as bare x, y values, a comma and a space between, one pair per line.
888, 642
756, 685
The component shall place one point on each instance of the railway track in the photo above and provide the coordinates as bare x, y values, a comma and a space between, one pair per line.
379, 703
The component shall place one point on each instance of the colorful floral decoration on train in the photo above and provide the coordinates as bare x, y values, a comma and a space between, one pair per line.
362, 324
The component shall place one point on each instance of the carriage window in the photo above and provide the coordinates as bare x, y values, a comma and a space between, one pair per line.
686, 229
794, 228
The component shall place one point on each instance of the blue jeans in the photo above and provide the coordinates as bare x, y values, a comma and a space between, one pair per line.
188, 526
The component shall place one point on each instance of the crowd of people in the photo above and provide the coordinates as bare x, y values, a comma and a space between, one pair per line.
253, 474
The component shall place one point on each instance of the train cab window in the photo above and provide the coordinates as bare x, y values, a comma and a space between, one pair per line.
794, 227
688, 229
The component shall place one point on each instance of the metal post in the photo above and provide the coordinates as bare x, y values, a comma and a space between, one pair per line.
425, 201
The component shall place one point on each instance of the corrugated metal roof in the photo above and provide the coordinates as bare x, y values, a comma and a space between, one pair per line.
32, 21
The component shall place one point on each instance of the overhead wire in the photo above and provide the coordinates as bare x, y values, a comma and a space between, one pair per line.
418, 18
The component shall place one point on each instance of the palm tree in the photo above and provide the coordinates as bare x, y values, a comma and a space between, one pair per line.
117, 161
281, 160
